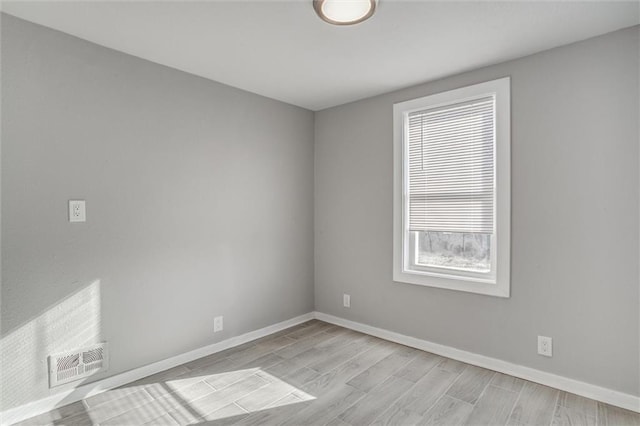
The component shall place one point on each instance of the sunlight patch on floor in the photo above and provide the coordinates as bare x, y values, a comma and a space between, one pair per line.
194, 398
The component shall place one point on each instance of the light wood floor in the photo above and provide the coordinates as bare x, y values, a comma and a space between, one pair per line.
317, 373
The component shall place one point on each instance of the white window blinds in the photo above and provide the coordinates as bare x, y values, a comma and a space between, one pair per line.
451, 167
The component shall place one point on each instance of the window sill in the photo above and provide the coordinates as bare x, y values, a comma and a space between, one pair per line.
497, 288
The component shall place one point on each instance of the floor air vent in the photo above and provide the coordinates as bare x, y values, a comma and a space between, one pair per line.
70, 366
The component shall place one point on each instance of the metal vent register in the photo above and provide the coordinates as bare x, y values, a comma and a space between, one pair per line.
71, 366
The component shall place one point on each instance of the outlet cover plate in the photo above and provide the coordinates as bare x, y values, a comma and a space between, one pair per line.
545, 346
217, 324
77, 211
346, 300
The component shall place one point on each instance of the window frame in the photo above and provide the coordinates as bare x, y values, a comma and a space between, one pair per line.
499, 284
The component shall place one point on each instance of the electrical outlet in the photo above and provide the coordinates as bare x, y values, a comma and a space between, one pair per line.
217, 324
545, 346
77, 211
346, 300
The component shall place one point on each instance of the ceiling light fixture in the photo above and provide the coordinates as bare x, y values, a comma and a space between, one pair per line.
344, 12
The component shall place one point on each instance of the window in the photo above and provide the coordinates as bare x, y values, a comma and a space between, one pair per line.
452, 189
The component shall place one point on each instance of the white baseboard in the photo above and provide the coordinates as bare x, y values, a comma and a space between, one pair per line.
609, 396
49, 403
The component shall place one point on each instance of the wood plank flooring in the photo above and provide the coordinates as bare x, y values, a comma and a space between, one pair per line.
320, 374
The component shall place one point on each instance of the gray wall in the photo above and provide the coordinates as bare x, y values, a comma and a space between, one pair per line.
199, 203
574, 218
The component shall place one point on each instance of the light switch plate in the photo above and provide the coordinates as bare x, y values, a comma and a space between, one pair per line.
77, 211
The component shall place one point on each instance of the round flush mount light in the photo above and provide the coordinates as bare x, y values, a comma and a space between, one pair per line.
344, 12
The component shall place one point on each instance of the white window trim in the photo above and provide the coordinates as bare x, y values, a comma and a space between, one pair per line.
500, 286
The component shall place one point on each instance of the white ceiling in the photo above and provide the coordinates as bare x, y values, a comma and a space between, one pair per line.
282, 50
